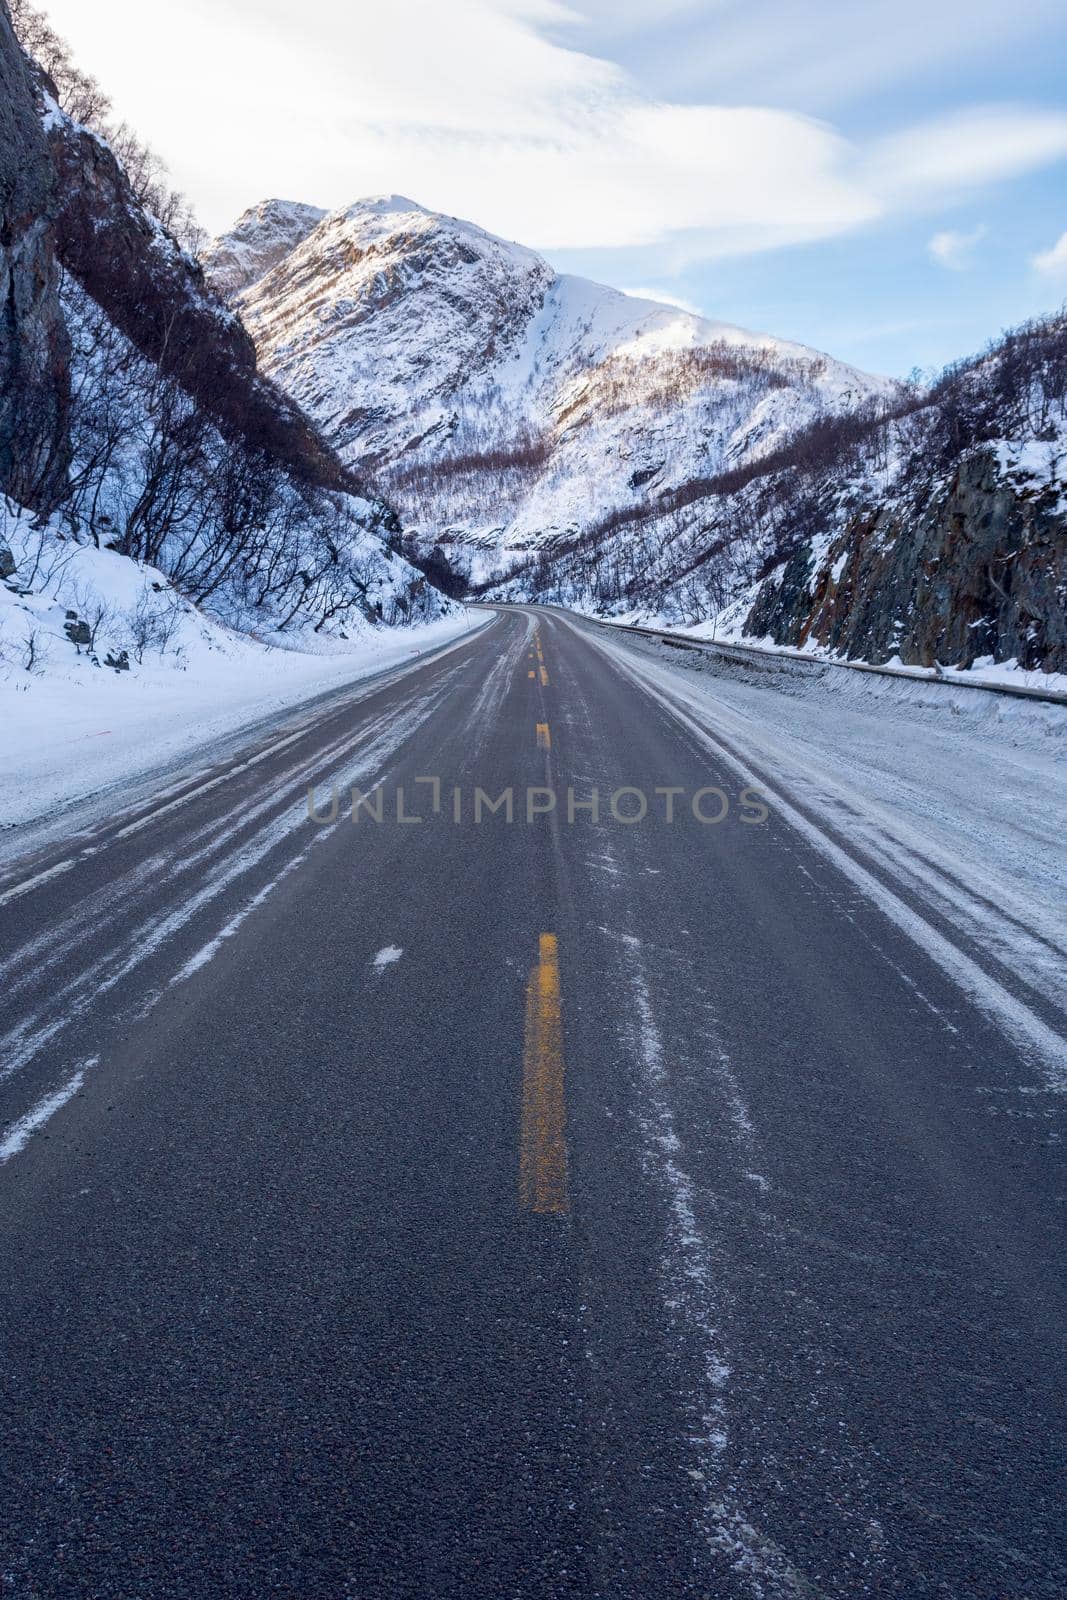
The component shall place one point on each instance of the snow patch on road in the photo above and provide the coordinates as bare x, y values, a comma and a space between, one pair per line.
19, 1134
386, 956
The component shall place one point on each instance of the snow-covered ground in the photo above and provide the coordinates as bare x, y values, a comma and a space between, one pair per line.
954, 798
78, 733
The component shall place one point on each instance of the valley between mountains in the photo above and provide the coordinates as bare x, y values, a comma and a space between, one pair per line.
544, 437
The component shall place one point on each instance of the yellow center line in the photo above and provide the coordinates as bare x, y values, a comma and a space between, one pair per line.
544, 677
542, 1141
531, 673
544, 738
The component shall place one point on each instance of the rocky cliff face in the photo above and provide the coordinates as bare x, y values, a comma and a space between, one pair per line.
975, 570
34, 349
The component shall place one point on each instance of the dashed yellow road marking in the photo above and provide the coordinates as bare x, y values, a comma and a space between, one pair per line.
542, 1141
531, 673
544, 738
544, 676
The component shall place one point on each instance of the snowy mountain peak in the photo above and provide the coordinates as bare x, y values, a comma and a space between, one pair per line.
387, 204
396, 222
258, 240
382, 313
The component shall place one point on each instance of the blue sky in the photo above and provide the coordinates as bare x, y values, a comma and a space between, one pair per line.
877, 295
884, 181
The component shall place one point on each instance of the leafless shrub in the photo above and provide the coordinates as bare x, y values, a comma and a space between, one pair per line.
34, 651
46, 558
150, 626
97, 613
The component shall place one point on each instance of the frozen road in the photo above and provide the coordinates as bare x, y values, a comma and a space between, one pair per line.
554, 1206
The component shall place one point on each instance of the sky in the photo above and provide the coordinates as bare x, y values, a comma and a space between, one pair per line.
882, 179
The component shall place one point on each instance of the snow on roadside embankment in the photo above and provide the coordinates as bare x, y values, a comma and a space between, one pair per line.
728, 628
109, 675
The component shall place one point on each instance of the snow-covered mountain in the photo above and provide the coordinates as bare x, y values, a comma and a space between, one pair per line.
495, 402
257, 241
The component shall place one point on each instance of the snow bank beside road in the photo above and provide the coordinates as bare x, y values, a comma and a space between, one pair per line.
79, 733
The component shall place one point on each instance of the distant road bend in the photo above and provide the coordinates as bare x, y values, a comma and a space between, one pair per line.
558, 1203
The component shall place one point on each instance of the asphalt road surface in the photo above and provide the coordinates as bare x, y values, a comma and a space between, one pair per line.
554, 1206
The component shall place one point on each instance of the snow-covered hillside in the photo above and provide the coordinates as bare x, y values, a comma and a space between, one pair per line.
109, 673
930, 532
178, 545
497, 403
175, 452
155, 479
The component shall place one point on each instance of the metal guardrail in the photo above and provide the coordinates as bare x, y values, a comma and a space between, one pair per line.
817, 664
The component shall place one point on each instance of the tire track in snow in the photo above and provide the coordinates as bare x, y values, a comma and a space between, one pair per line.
693, 1275
20, 1045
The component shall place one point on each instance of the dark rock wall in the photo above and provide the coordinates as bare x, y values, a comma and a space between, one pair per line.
977, 569
34, 348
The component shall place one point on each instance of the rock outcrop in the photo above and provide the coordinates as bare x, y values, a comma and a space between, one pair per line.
34, 348
976, 570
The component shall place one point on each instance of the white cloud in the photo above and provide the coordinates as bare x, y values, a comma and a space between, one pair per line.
812, 55
955, 250
1052, 263
967, 148
480, 108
